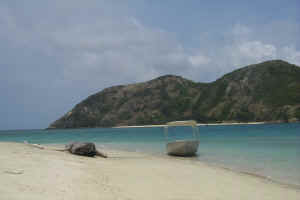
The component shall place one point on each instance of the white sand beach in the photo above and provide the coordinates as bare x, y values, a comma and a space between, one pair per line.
199, 124
28, 173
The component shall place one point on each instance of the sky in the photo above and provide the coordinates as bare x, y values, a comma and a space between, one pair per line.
55, 53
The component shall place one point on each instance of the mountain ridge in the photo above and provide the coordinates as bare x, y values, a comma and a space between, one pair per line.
267, 91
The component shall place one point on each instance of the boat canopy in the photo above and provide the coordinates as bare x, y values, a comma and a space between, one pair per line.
192, 123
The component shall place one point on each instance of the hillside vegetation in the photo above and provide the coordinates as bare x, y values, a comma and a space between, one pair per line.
268, 91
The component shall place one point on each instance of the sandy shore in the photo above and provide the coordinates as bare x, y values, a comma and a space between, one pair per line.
30, 173
199, 124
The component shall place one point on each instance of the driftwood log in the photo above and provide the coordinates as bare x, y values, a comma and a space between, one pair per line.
78, 148
84, 149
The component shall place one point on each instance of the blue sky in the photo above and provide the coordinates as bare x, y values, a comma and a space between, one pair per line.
56, 53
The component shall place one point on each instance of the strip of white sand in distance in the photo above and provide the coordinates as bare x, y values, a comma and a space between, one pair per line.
199, 124
28, 173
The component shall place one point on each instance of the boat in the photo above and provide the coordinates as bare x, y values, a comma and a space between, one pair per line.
182, 147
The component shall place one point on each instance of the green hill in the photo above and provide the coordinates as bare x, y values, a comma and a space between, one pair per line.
268, 91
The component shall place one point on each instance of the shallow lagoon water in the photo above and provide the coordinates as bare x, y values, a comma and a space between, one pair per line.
270, 150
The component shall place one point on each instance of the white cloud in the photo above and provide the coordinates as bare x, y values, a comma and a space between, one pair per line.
118, 47
291, 54
101, 49
244, 45
257, 50
197, 60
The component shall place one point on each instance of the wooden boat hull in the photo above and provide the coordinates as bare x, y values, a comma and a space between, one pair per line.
183, 148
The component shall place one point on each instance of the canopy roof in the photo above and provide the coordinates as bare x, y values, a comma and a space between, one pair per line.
182, 123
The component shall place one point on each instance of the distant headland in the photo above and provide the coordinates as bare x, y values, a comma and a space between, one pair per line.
264, 92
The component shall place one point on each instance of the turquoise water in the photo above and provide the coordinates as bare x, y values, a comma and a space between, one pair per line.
271, 150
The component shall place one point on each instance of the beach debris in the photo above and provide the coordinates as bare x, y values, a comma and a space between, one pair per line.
14, 172
84, 149
79, 148
101, 154
34, 145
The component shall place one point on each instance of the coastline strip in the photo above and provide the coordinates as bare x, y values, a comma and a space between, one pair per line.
198, 124
46, 174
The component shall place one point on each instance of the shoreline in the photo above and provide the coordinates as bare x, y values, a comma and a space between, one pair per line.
47, 174
102, 147
163, 125
256, 175
198, 124
213, 165
196, 160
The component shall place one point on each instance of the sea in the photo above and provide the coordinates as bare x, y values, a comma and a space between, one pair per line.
267, 150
